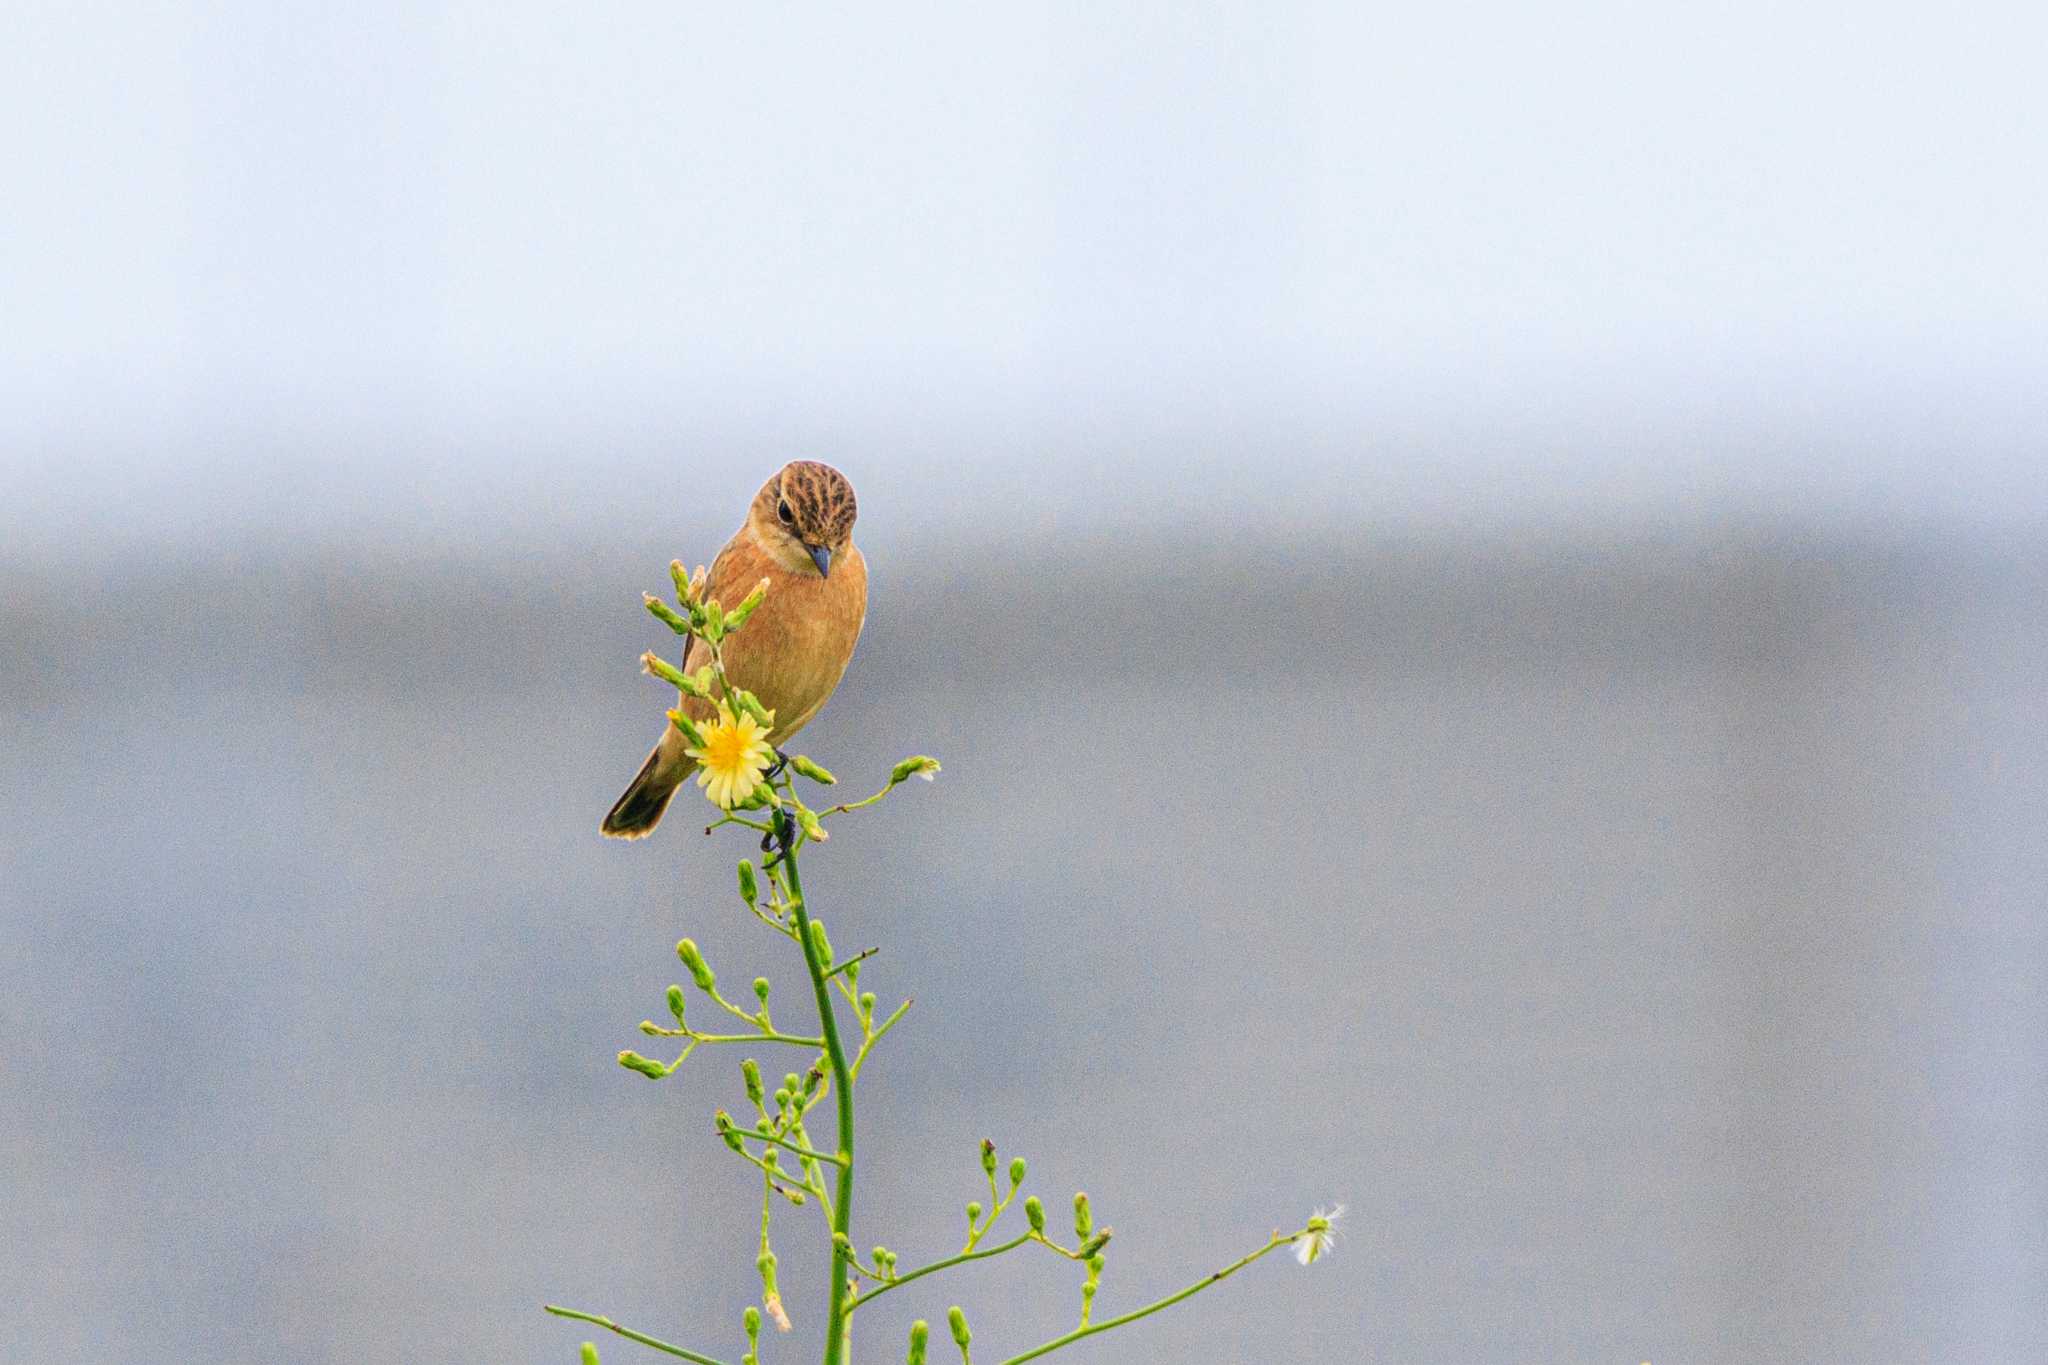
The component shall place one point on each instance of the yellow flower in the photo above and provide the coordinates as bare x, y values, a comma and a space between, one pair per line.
734, 755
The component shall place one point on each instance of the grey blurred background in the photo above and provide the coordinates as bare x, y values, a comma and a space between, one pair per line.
1477, 574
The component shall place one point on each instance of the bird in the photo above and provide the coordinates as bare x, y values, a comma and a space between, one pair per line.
798, 535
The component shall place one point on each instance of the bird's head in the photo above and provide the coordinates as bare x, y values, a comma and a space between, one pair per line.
804, 516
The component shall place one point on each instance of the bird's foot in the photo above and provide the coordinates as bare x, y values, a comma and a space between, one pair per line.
781, 835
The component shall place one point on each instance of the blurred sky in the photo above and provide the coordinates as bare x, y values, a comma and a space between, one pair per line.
413, 270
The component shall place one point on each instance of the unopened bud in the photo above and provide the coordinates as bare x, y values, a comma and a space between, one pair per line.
656, 666
646, 1066
675, 1004
751, 1320
1034, 1213
761, 990
700, 970
820, 945
1084, 1221
958, 1321
722, 1121
664, 613
867, 1004
681, 720
917, 766
750, 889
813, 827
750, 1072
973, 1212
988, 1156
746, 607
812, 770
697, 583
751, 704
920, 1334
589, 1354
1016, 1172
1094, 1244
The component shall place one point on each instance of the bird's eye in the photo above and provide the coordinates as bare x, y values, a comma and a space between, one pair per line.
782, 510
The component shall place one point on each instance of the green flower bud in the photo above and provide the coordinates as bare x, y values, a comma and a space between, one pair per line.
650, 1028
722, 1121
920, 1333
1084, 1221
820, 945
689, 728
750, 1072
761, 796
1034, 1213
675, 1004
814, 828
958, 1321
713, 627
746, 607
882, 1258
841, 1242
812, 770
792, 1082
918, 766
646, 1066
665, 614
782, 1098
656, 666
1016, 1172
700, 970
1094, 1244
751, 704
761, 990
750, 890
589, 1354
988, 1156
751, 1320
973, 1212
679, 576
867, 1004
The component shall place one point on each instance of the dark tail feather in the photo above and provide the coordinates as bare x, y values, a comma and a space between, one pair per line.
640, 809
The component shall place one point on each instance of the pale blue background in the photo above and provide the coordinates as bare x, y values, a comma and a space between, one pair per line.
1477, 571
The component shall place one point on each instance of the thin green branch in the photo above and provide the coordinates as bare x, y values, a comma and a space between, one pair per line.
1197, 1287
907, 1276
876, 1036
629, 1334
856, 958
759, 1136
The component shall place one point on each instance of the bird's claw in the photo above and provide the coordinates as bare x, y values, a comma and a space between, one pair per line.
780, 837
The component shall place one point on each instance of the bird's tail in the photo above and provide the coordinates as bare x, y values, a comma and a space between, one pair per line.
640, 809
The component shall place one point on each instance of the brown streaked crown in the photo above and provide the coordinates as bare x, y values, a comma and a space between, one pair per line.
819, 500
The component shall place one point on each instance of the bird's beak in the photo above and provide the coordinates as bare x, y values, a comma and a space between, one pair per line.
821, 555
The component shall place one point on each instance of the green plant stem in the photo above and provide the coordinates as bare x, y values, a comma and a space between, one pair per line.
758, 1136
1169, 1301
842, 1082
631, 1335
936, 1266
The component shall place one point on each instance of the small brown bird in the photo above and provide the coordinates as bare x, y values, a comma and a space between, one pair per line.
799, 536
